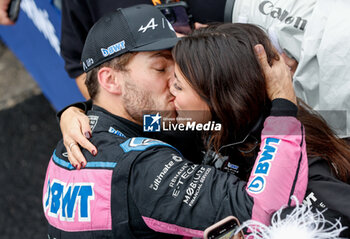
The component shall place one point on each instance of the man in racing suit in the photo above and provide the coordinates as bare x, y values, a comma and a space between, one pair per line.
141, 187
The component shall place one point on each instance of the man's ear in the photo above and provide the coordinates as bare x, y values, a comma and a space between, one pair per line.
108, 80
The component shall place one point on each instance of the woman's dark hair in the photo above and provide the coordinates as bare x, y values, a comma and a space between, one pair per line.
321, 141
220, 64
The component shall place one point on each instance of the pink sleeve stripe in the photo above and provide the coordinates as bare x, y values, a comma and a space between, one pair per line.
171, 228
280, 165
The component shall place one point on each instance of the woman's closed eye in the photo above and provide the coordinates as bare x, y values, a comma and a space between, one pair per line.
176, 86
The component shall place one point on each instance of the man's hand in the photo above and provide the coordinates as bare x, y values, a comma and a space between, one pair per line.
76, 131
277, 77
197, 25
4, 18
291, 63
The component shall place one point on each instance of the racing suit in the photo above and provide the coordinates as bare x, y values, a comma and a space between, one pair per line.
141, 187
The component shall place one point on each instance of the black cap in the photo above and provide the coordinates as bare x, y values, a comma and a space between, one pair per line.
137, 28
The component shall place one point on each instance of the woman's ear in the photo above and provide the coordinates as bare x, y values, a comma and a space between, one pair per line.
107, 78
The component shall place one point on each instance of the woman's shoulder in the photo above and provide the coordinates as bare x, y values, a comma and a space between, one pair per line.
320, 166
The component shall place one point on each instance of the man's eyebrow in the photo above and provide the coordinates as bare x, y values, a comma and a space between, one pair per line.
162, 54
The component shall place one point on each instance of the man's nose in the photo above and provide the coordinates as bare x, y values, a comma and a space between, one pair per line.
171, 81
171, 88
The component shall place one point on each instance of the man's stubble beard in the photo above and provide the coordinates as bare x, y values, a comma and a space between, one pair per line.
136, 102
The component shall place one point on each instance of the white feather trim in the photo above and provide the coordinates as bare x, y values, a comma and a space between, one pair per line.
301, 223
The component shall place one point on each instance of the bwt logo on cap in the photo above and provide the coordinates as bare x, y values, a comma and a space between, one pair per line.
113, 48
151, 123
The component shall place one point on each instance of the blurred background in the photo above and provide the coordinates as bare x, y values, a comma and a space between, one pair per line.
29, 132
33, 86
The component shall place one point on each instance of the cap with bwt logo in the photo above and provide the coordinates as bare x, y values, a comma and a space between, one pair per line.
137, 28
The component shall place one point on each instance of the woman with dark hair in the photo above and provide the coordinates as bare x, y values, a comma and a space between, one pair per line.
218, 73
230, 81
